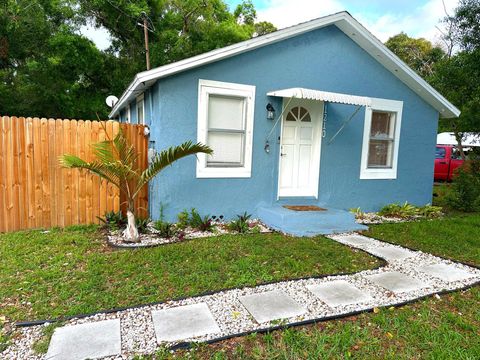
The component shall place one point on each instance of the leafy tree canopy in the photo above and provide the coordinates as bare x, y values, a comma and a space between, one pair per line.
47, 68
419, 54
458, 76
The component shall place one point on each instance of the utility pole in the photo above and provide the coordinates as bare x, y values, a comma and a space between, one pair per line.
145, 31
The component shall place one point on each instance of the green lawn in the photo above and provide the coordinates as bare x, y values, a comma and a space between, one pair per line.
68, 272
456, 237
445, 328
71, 271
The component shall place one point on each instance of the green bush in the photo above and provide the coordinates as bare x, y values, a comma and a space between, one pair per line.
142, 224
465, 194
407, 210
200, 223
240, 225
165, 229
430, 211
400, 211
114, 220
183, 219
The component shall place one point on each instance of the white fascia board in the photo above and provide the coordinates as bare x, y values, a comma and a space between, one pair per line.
367, 41
223, 53
343, 20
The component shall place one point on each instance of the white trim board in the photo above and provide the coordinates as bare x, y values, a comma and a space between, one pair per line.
367, 173
247, 92
343, 20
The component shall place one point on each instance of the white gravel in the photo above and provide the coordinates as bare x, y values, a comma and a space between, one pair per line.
371, 218
152, 237
138, 336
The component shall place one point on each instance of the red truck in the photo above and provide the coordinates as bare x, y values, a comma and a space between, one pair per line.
447, 159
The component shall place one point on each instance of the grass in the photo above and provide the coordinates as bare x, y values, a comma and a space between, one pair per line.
41, 346
456, 237
433, 328
67, 272
71, 271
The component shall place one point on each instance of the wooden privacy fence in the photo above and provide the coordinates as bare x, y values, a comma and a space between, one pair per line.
36, 192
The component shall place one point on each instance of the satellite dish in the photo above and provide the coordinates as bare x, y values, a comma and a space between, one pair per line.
111, 100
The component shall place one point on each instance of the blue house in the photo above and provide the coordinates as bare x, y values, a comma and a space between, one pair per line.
319, 114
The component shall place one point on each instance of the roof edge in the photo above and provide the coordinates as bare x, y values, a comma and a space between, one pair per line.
343, 20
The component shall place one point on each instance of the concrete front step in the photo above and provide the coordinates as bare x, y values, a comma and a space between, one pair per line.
309, 223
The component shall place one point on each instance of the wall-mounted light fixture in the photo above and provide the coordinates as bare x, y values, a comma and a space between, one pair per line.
270, 112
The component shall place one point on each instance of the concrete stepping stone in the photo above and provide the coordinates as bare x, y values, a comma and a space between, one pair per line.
358, 240
339, 293
86, 341
184, 322
391, 253
397, 282
446, 272
271, 305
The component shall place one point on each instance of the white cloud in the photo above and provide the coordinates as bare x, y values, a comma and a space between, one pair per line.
283, 13
100, 36
420, 22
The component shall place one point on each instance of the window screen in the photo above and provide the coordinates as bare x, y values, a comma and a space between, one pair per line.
226, 131
382, 137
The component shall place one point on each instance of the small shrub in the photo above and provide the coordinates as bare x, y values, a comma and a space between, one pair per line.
400, 211
165, 229
114, 220
430, 211
465, 190
359, 214
142, 224
200, 223
183, 219
240, 225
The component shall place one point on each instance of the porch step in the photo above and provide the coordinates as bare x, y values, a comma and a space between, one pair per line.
309, 223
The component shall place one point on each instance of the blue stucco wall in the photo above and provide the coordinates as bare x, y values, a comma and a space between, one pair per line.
324, 59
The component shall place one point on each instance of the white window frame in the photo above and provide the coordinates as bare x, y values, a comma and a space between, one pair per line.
205, 89
141, 100
391, 106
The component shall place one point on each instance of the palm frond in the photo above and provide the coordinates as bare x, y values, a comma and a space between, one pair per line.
96, 167
168, 157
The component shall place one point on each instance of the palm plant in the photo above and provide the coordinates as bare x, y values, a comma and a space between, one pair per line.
116, 163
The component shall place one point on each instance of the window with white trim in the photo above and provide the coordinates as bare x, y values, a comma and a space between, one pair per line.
381, 139
141, 109
225, 123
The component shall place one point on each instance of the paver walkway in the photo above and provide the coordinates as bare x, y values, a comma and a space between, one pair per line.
407, 276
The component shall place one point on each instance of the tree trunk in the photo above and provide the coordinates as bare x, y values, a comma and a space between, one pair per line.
131, 232
458, 137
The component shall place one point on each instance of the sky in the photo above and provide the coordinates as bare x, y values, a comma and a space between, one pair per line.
384, 18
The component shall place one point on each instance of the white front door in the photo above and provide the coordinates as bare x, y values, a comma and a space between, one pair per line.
300, 148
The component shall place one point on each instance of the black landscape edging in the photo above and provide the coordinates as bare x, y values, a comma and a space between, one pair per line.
207, 293
383, 261
188, 345
417, 250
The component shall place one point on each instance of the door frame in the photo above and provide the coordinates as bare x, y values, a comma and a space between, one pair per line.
317, 143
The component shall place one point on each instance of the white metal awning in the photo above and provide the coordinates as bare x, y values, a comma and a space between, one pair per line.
301, 93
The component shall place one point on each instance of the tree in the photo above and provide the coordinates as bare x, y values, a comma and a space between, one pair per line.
115, 162
458, 76
263, 28
419, 54
47, 68
245, 13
